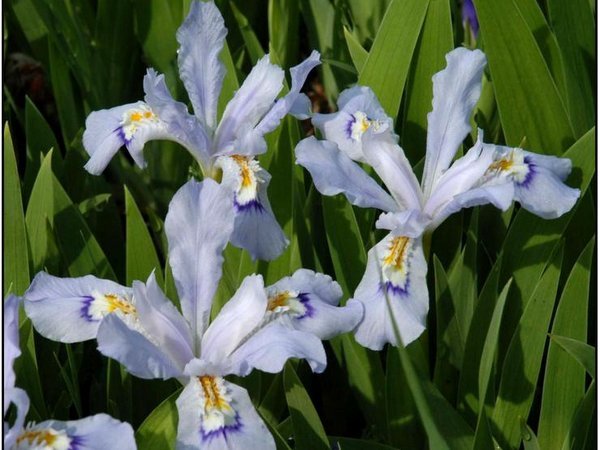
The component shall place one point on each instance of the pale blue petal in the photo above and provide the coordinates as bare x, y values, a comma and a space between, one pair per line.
129, 125
11, 347
301, 109
359, 110
544, 194
333, 172
410, 223
198, 225
314, 299
69, 309
282, 106
135, 351
256, 229
238, 426
269, 348
456, 89
249, 104
236, 320
201, 38
98, 432
102, 137
161, 320
390, 163
19, 398
403, 283
561, 167
185, 129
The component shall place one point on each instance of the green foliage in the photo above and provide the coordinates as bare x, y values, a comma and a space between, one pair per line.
506, 361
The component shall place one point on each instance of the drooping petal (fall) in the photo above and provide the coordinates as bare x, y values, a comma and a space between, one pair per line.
333, 172
71, 309
215, 414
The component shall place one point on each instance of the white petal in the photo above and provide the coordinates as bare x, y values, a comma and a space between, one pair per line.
70, 309
333, 172
198, 225
236, 320
11, 347
456, 89
249, 104
227, 424
396, 272
201, 38
390, 163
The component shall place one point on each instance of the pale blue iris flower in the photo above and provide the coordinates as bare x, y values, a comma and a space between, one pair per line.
259, 328
360, 131
228, 147
98, 432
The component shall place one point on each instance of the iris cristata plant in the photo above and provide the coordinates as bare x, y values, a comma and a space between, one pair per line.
227, 148
98, 432
396, 266
259, 328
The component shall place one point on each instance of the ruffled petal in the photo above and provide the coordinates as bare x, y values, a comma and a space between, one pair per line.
183, 127
99, 432
396, 272
456, 89
359, 111
198, 225
543, 193
256, 229
11, 346
160, 319
19, 398
390, 163
308, 301
70, 309
201, 38
333, 172
215, 414
249, 104
236, 320
129, 125
272, 345
136, 350
409, 223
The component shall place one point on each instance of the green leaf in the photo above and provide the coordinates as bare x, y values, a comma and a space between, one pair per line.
159, 430
530, 440
528, 100
283, 31
358, 54
344, 443
564, 380
523, 360
434, 42
574, 25
388, 63
15, 258
583, 353
141, 255
581, 426
253, 46
78, 247
308, 430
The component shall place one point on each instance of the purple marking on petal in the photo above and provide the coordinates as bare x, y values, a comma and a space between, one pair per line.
85, 309
349, 126
253, 205
121, 134
309, 310
390, 288
531, 171
223, 431
77, 442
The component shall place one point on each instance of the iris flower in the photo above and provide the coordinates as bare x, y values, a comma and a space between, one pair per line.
259, 328
99, 432
396, 266
226, 149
